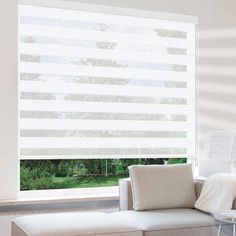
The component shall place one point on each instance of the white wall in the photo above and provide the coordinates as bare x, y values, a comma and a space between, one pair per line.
217, 50
8, 100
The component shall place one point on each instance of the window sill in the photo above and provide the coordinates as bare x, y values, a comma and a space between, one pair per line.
63, 196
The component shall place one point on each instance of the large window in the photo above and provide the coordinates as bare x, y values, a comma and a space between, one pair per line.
103, 86
80, 173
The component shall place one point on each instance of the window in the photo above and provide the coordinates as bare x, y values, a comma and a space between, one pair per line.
97, 85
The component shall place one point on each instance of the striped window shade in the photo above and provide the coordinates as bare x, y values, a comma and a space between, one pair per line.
102, 85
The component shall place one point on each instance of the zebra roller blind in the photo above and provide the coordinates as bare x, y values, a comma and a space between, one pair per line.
98, 85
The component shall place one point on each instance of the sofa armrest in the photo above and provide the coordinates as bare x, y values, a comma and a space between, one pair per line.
198, 184
126, 198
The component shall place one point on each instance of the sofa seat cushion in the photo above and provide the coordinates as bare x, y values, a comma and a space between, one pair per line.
73, 224
169, 219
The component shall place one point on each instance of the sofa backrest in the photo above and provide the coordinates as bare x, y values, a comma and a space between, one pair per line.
126, 198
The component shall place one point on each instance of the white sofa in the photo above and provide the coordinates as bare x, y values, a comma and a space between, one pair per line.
182, 220
169, 222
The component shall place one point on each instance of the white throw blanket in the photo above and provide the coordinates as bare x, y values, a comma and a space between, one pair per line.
217, 194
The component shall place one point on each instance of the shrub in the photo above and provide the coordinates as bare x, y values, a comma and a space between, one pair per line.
35, 179
177, 160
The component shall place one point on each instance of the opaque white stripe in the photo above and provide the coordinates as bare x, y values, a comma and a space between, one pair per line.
102, 142
104, 107
71, 124
104, 18
188, 155
96, 89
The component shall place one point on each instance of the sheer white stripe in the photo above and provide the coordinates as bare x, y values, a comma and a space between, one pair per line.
58, 32
80, 52
128, 73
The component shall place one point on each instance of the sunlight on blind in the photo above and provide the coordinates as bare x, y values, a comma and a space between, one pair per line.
96, 85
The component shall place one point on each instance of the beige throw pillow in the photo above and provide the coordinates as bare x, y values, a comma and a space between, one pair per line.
162, 186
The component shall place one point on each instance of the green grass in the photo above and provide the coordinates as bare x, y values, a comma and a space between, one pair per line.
86, 182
